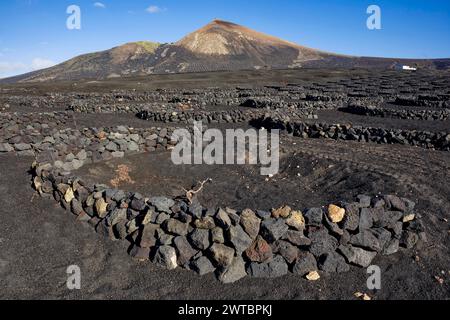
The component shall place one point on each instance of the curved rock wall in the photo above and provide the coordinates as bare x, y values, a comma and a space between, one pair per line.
180, 233
424, 139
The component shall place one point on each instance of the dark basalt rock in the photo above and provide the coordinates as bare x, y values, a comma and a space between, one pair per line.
271, 269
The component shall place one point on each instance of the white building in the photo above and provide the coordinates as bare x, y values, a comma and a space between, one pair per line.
399, 66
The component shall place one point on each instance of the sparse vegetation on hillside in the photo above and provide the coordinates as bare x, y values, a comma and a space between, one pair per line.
148, 45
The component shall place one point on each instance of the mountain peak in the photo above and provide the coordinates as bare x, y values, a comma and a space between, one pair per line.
221, 37
223, 23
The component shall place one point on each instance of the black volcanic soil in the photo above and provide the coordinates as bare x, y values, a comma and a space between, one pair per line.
39, 240
303, 181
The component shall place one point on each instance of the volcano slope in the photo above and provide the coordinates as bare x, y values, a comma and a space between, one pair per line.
393, 138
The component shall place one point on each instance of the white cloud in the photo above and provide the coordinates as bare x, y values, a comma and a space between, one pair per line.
6, 67
39, 63
155, 9
99, 5
9, 69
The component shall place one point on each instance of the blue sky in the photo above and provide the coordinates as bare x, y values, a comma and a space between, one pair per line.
33, 33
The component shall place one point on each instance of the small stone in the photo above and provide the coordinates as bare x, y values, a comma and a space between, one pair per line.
161, 217
297, 238
140, 254
223, 219
296, 220
76, 207
322, 242
366, 239
176, 227
333, 227
250, 222
282, 212
409, 239
271, 269
166, 256
234, 272
364, 201
22, 146
313, 276
378, 202
147, 237
366, 219
410, 205
351, 218
119, 196
221, 255
199, 238
184, 250
217, 235
165, 239
132, 146
286, 250
132, 226
335, 213
314, 216
135, 137
273, 229
391, 247
103, 229
395, 203
83, 217
408, 217
82, 155
116, 215
6, 147
137, 204
234, 216
259, 251
101, 207
205, 223
162, 204
120, 229
333, 262
77, 164
111, 146
69, 196
195, 209
362, 296
263, 214
68, 166
202, 266
239, 238
304, 264
357, 256
383, 236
